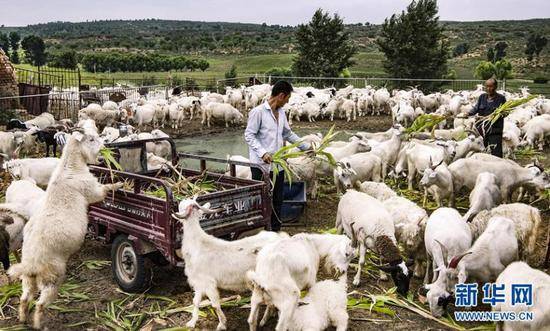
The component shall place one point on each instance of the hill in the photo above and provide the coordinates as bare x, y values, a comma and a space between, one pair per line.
220, 39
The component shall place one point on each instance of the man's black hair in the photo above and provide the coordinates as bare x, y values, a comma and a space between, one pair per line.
281, 86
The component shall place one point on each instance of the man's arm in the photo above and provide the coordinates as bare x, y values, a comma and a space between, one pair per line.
475, 109
292, 137
252, 129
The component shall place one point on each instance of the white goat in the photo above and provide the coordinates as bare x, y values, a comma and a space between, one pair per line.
212, 263
379, 191
521, 273
446, 235
286, 267
324, 305
484, 196
409, 221
489, 255
40, 170
57, 231
367, 222
527, 220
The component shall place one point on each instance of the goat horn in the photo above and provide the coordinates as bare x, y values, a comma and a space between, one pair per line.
455, 260
179, 216
443, 250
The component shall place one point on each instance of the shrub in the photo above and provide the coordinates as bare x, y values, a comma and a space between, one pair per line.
278, 72
7, 115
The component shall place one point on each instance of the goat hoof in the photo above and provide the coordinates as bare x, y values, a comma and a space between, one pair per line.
191, 324
221, 327
356, 281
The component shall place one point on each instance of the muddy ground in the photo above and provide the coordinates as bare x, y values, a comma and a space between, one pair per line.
93, 301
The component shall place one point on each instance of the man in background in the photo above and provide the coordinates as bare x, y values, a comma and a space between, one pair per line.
486, 105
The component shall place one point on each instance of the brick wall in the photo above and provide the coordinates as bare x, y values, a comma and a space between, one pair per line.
8, 80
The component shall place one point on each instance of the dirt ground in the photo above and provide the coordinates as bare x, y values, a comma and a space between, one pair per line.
93, 301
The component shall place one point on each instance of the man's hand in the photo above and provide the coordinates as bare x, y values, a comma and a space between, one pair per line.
267, 158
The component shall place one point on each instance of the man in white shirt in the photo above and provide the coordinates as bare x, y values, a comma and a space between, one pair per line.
265, 134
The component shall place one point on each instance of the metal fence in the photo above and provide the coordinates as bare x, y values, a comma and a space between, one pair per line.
67, 103
46, 76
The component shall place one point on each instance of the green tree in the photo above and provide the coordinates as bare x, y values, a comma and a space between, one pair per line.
5, 43
461, 49
35, 50
484, 70
231, 75
491, 55
503, 69
67, 60
203, 65
535, 45
15, 38
500, 69
324, 47
500, 50
413, 42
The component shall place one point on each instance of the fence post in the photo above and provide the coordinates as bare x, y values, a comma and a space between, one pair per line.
79, 78
39, 78
504, 84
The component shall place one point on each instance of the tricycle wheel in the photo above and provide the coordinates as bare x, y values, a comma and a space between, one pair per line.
130, 269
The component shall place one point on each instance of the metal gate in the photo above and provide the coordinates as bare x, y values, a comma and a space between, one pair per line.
34, 98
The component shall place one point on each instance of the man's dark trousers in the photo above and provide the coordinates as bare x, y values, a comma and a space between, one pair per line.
494, 142
277, 196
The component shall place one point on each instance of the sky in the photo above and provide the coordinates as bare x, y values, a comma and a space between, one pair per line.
283, 12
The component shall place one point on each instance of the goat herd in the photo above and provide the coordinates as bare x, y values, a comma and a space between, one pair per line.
491, 242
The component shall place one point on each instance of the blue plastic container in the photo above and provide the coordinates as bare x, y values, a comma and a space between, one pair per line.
294, 201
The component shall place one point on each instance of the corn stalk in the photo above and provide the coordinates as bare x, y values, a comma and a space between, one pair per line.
288, 152
110, 161
426, 122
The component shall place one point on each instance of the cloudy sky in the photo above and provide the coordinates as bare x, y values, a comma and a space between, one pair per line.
284, 12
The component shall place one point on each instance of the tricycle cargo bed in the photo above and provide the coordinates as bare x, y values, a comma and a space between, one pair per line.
146, 219
149, 218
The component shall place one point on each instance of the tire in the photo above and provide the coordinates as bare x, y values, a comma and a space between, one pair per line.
130, 270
